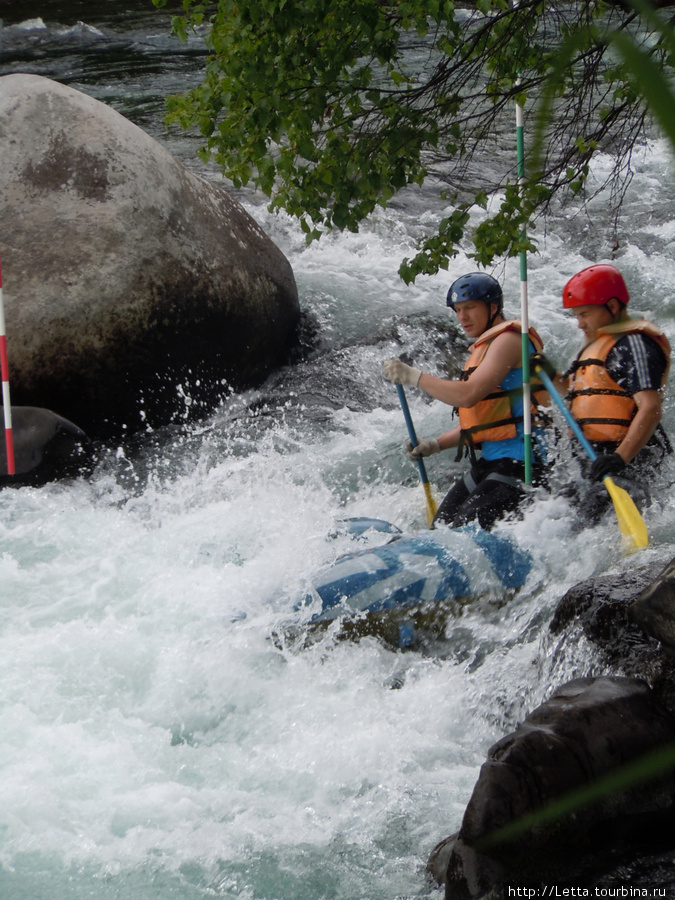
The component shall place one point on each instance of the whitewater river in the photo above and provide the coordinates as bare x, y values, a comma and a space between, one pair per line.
156, 741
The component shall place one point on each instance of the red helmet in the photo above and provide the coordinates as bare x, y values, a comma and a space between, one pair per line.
595, 285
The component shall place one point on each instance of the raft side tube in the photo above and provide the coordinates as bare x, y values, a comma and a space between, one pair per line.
412, 569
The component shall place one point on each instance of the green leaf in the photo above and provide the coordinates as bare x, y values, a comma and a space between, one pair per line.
332, 107
649, 77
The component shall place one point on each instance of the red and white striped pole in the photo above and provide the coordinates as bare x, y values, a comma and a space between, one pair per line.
6, 405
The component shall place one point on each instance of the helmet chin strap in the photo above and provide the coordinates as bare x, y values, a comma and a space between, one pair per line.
491, 318
617, 315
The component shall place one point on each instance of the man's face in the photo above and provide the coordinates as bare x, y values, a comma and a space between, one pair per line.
473, 316
590, 318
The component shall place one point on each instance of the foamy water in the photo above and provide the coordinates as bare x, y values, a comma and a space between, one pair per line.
158, 741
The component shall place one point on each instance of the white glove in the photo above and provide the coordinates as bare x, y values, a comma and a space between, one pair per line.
399, 373
424, 448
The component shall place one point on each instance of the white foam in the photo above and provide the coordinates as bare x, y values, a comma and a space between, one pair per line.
151, 725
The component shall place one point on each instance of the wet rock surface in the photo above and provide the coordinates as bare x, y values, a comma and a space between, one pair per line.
134, 291
582, 793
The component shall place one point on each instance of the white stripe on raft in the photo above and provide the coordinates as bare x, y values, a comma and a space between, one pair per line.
423, 568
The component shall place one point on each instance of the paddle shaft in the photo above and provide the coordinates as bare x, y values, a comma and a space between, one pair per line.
571, 421
431, 503
411, 430
630, 521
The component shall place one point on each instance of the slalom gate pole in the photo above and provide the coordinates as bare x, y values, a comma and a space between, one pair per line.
6, 405
524, 314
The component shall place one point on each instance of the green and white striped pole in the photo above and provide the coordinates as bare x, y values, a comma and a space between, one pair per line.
524, 317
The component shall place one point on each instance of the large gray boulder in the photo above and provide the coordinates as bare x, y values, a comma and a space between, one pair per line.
130, 284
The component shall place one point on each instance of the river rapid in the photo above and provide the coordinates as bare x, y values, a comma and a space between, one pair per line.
156, 740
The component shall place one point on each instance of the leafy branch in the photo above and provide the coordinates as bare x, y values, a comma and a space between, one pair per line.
331, 107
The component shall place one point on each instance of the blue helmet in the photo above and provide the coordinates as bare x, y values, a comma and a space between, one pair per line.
476, 286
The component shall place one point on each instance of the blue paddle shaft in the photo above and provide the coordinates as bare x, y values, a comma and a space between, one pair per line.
411, 431
571, 421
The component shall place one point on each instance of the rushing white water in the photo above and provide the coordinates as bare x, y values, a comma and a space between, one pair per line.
157, 740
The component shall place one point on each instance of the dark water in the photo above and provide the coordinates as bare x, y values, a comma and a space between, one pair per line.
121, 53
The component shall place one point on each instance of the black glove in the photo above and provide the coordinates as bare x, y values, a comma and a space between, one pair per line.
539, 361
606, 464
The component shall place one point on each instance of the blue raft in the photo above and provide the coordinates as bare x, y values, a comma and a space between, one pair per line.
414, 570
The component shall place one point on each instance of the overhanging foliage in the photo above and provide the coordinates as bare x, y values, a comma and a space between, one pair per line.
333, 106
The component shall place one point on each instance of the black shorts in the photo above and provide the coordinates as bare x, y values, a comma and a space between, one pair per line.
488, 492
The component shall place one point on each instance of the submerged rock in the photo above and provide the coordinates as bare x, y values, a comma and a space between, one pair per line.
133, 288
582, 761
47, 447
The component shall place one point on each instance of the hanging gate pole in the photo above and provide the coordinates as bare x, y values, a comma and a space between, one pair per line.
524, 315
6, 405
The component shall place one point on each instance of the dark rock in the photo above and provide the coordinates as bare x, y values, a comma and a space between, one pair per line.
600, 604
624, 617
134, 290
580, 746
654, 609
47, 447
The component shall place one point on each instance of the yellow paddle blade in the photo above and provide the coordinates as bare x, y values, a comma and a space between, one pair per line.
631, 522
431, 503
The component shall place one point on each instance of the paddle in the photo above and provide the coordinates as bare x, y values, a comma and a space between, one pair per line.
630, 521
431, 503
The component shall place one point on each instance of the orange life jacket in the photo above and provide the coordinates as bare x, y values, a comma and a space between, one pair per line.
493, 419
601, 406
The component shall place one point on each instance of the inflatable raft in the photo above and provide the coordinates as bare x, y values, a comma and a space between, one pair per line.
413, 571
